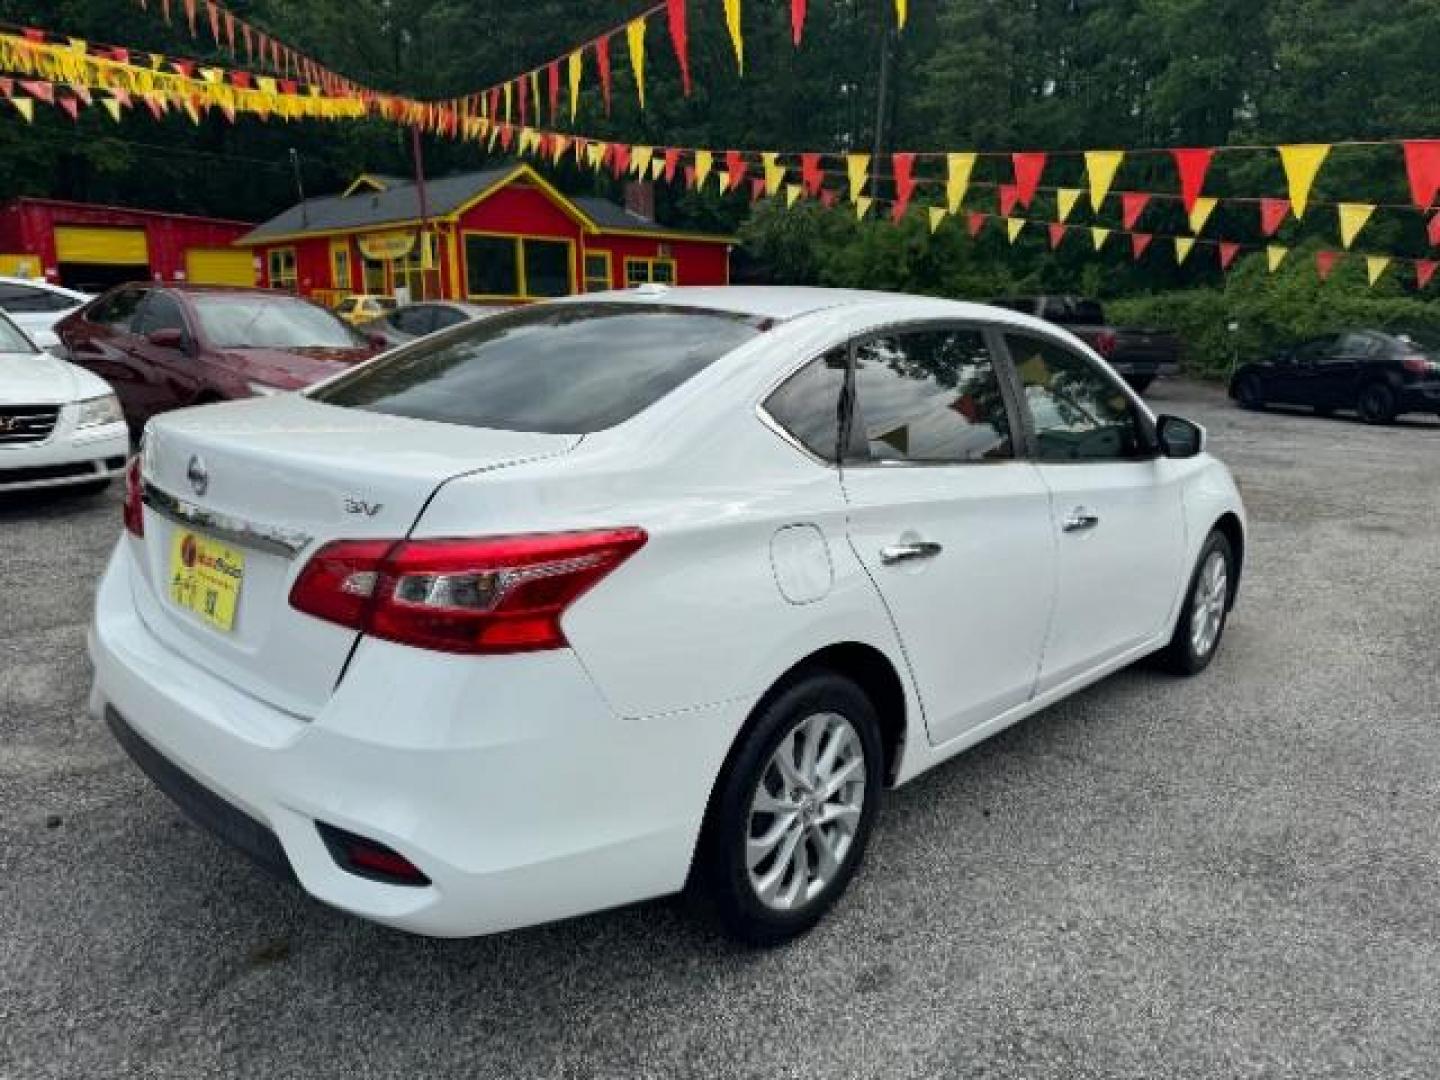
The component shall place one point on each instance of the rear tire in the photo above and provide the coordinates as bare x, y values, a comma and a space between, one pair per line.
1201, 625
1249, 394
1376, 404
792, 811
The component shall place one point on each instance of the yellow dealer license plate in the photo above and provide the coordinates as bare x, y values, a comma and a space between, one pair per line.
205, 578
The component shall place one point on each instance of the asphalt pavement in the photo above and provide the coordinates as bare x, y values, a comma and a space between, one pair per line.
1231, 876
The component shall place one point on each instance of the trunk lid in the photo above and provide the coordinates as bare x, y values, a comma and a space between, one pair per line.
261, 485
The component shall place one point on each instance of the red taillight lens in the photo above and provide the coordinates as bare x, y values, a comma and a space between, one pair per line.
497, 595
1420, 365
134, 499
1105, 343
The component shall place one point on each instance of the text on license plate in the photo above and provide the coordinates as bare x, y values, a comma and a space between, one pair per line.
205, 577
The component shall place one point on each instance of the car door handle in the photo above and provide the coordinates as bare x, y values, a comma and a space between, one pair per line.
1080, 519
919, 549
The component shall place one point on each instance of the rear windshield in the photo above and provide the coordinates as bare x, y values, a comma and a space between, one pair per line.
559, 369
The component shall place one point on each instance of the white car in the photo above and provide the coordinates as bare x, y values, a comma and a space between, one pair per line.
36, 306
590, 600
59, 424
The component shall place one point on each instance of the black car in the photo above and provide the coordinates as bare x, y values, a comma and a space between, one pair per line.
1375, 374
411, 321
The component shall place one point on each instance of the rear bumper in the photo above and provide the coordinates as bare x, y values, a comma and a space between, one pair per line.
69, 456
507, 781
1422, 397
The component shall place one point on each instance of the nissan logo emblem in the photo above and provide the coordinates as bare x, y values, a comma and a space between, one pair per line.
198, 475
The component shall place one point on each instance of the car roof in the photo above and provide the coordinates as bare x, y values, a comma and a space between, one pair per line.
41, 283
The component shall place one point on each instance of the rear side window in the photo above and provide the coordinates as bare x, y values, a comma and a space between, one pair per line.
560, 369
1079, 413
930, 396
807, 405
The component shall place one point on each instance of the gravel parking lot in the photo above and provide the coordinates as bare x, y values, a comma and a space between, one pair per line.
1235, 875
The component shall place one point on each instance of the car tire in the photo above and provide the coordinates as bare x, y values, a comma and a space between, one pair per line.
780, 846
1140, 383
1249, 393
1201, 625
1376, 403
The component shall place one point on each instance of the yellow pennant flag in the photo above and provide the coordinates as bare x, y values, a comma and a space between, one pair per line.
112, 106
1275, 255
1098, 236
1353, 217
959, 167
1065, 199
596, 153
732, 22
704, 162
1183, 246
641, 158
937, 215
635, 38
858, 168
1302, 162
509, 97
576, 65
562, 143
792, 194
1375, 265
656, 168
774, 172
1201, 211
1101, 166
1013, 226
902, 11
25, 107
862, 206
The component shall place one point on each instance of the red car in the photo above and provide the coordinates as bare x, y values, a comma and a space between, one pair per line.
164, 347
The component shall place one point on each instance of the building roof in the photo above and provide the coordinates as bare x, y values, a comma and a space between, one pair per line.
363, 207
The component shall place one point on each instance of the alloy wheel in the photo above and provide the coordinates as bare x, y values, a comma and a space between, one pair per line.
805, 811
1207, 606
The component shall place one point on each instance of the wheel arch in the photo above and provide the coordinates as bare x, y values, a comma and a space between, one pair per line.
1228, 525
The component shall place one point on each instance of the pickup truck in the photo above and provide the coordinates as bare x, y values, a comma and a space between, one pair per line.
1138, 356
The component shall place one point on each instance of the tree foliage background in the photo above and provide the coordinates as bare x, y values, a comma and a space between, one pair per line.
965, 74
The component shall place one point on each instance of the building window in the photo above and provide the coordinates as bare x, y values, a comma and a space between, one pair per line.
281, 264
375, 278
597, 271
645, 271
517, 267
340, 265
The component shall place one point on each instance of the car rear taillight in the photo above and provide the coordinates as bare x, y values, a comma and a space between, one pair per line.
502, 594
1420, 365
1105, 343
134, 499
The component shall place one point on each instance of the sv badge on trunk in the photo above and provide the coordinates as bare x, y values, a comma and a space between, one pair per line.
360, 506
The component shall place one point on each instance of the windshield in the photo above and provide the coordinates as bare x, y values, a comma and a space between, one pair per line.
560, 369
12, 339
248, 321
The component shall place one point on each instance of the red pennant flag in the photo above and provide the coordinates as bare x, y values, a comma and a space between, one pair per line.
31, 34
904, 183
735, 167
190, 16
507, 134
619, 159
120, 95
602, 58
552, 77
1192, 166
1424, 271
827, 198
811, 174
1132, 205
249, 36
213, 13
690, 177
157, 110
1028, 170
1432, 230
71, 105
1138, 243
1228, 251
241, 79
797, 20
675, 10
1009, 196
1325, 262
165, 9
757, 188
120, 56
974, 222
1057, 233
230, 31
672, 159
1422, 166
1273, 213
494, 103
523, 84
7, 87
289, 86
40, 91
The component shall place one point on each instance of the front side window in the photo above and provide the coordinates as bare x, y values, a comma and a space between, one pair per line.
807, 405
161, 312
561, 369
1078, 412
117, 310
930, 396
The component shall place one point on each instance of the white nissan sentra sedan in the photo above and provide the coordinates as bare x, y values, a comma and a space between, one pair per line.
601, 598
60, 426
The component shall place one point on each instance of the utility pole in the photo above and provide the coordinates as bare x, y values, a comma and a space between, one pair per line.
299, 187
424, 211
882, 96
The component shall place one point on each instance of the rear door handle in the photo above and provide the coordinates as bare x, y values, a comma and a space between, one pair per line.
919, 549
1080, 519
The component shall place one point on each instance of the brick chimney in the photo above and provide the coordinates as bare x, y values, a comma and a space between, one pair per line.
640, 198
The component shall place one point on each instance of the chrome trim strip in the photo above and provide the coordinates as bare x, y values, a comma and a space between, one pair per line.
272, 539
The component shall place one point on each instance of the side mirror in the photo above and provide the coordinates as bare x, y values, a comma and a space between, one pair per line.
1179, 438
167, 338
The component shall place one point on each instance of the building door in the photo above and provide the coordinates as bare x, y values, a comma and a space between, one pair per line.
93, 259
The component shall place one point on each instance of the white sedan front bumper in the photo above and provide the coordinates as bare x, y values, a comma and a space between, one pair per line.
69, 455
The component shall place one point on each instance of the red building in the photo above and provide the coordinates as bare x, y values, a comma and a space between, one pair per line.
501, 235
93, 247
